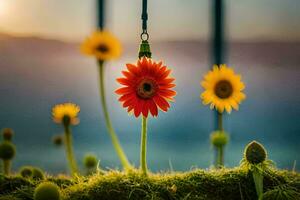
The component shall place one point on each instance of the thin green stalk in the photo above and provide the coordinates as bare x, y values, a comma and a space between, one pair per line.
258, 181
114, 138
220, 152
69, 151
6, 166
220, 121
143, 160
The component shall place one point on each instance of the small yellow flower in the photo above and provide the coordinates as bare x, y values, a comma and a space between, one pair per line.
103, 45
223, 89
67, 110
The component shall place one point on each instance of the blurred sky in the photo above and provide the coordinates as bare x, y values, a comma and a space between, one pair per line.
168, 19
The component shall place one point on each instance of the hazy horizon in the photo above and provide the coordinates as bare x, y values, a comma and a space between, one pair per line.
205, 40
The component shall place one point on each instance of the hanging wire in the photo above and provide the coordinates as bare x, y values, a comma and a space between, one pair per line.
144, 34
101, 14
144, 46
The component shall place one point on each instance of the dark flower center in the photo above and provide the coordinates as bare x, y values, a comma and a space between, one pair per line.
223, 89
102, 48
146, 89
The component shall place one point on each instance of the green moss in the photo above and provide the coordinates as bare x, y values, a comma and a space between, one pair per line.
225, 184
199, 184
10, 184
62, 181
282, 192
9, 197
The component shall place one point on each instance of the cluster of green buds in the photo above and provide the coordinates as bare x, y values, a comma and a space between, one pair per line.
32, 172
255, 160
219, 139
7, 150
47, 191
90, 163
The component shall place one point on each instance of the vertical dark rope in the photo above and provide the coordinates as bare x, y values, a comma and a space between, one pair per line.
217, 40
144, 46
101, 13
144, 15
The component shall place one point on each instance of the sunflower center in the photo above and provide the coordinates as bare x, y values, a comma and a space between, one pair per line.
223, 89
102, 48
146, 89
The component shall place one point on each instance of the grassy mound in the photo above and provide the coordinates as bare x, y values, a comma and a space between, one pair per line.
199, 184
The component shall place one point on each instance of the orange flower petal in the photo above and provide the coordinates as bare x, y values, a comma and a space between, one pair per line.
132, 68
153, 108
124, 90
162, 103
124, 81
145, 109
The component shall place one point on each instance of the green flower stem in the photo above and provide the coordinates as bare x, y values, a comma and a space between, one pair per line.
115, 141
220, 159
6, 166
144, 146
220, 121
220, 149
69, 151
258, 181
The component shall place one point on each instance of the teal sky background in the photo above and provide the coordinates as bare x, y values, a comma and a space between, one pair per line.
72, 20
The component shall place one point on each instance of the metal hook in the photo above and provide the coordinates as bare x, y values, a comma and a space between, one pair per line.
144, 35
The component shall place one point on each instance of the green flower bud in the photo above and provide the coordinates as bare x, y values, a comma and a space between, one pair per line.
37, 174
219, 138
255, 153
58, 140
47, 191
90, 161
26, 171
7, 134
7, 150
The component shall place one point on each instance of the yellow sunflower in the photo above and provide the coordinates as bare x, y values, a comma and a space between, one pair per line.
103, 45
66, 113
223, 89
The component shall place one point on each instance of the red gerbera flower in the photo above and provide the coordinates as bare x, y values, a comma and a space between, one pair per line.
147, 87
